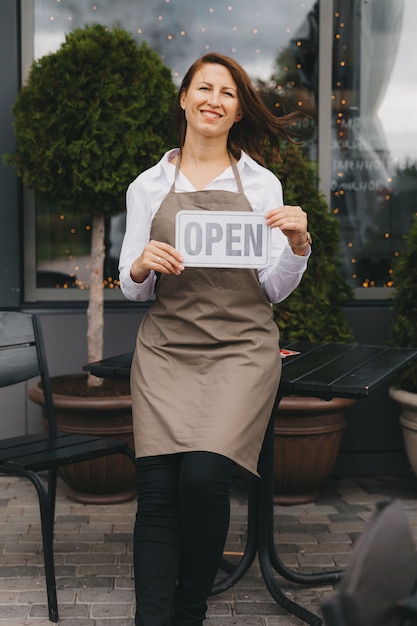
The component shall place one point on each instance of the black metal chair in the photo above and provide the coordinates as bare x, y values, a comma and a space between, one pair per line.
378, 587
22, 357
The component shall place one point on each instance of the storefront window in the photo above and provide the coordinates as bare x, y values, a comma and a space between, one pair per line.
257, 34
374, 134
371, 153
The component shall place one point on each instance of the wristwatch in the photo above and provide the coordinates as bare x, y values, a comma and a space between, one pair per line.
308, 242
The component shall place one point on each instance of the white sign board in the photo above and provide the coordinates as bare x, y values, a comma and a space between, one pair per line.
223, 238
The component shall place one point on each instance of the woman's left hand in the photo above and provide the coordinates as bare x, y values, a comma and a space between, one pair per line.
292, 220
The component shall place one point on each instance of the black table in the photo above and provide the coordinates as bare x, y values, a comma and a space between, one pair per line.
325, 371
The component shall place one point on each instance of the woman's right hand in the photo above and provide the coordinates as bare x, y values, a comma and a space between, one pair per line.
157, 256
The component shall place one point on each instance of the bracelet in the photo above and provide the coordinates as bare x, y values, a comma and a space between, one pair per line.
303, 245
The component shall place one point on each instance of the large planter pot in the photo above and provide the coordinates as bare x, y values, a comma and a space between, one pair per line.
106, 480
307, 436
408, 419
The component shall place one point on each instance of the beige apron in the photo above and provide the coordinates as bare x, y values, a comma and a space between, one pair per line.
207, 365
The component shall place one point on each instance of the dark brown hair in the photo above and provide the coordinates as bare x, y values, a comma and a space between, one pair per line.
258, 127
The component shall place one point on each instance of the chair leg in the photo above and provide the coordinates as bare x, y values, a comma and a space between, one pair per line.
52, 479
47, 508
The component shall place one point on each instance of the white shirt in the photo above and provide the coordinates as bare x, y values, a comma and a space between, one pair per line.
263, 191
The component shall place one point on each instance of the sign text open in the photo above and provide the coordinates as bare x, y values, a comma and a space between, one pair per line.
223, 238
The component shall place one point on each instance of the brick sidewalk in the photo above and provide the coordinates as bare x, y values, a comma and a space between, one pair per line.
93, 551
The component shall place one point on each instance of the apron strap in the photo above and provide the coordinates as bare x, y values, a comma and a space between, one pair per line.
236, 174
232, 163
177, 171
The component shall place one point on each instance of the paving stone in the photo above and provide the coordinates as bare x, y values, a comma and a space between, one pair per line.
17, 548
124, 583
8, 611
297, 528
111, 610
88, 596
79, 546
8, 597
292, 537
73, 609
90, 557
76, 582
322, 560
123, 621
120, 537
38, 597
18, 571
75, 622
268, 607
235, 621
94, 564
61, 520
103, 570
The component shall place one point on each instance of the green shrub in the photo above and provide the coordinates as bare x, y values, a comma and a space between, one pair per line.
313, 311
91, 116
404, 303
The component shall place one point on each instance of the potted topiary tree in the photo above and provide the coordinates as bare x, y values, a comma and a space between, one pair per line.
308, 431
404, 334
91, 116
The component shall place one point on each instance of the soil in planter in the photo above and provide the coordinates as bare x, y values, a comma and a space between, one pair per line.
77, 386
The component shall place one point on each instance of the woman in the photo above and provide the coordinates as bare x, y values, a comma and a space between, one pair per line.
207, 365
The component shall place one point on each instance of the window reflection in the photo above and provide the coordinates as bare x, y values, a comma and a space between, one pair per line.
63, 245
258, 34
371, 147
373, 151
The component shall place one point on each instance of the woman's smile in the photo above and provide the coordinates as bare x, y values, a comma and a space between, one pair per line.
211, 115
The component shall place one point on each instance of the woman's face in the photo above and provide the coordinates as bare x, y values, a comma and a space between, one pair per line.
211, 102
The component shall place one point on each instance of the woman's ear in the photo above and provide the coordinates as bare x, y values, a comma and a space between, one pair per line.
239, 116
182, 99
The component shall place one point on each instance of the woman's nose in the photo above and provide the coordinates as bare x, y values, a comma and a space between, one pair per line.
214, 98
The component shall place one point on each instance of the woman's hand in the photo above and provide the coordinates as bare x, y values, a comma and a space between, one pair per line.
292, 220
157, 256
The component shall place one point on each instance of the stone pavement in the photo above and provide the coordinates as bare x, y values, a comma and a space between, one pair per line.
93, 550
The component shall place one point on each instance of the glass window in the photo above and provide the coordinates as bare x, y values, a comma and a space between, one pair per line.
368, 141
374, 134
259, 35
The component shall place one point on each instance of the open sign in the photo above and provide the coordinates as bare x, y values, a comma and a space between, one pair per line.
222, 238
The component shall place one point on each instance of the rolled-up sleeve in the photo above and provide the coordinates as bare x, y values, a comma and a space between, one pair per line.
284, 274
285, 270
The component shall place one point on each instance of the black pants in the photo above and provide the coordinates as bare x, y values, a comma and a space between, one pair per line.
180, 531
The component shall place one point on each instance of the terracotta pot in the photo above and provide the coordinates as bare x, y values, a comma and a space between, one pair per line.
408, 419
307, 436
106, 480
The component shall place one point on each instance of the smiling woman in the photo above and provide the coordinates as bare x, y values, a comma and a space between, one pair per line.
209, 335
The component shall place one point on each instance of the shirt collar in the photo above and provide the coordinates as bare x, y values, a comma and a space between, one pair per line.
166, 166
246, 161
